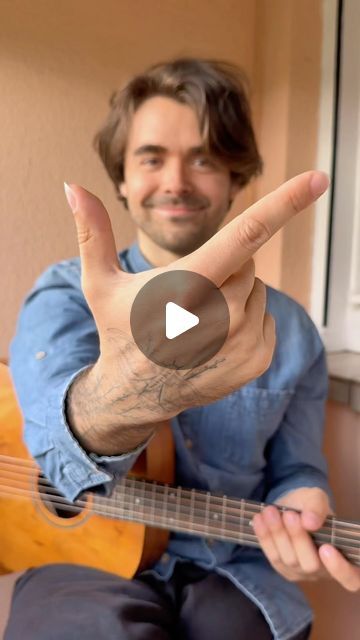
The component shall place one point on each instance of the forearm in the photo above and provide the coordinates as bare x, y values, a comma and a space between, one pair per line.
101, 414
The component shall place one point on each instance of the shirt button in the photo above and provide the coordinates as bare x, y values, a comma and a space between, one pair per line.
40, 355
165, 558
189, 443
210, 542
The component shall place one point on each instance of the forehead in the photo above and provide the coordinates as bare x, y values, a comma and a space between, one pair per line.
166, 122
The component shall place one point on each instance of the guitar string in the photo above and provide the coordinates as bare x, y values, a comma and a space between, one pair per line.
233, 514
256, 506
200, 494
11, 491
160, 525
247, 539
319, 535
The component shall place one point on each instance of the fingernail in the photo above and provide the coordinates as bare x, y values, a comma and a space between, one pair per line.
313, 520
327, 551
291, 517
70, 197
319, 183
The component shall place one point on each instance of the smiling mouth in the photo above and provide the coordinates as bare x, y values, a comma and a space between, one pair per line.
177, 212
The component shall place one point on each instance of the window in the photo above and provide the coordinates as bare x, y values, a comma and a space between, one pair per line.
336, 267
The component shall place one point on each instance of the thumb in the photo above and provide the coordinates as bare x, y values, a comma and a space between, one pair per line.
316, 509
97, 247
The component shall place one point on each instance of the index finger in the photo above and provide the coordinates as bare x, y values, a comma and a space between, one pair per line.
232, 246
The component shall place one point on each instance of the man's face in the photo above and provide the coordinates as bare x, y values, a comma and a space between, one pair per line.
177, 195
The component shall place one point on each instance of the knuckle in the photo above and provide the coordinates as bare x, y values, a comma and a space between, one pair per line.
293, 577
258, 296
248, 269
263, 359
295, 201
311, 568
354, 586
274, 558
260, 286
280, 567
83, 235
252, 341
293, 564
252, 234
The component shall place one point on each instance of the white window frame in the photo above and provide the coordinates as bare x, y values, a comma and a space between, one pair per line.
341, 330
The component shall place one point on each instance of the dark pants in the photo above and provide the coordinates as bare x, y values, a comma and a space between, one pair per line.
67, 602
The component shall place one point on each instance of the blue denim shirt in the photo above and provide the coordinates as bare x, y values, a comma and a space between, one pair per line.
259, 442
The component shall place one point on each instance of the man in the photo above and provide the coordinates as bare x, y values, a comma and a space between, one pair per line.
178, 145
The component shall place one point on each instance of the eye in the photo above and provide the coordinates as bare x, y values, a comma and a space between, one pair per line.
150, 161
203, 161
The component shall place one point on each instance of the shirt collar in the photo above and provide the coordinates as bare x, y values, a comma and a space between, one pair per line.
136, 259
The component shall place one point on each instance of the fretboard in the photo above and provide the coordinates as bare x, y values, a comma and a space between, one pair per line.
209, 515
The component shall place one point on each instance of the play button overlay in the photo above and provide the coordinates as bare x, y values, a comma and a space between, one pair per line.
179, 319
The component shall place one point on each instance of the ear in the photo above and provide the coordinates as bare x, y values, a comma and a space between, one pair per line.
123, 189
234, 190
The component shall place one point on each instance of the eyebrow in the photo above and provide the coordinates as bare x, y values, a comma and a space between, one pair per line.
156, 148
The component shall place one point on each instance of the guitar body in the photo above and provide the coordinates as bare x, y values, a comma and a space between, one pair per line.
31, 534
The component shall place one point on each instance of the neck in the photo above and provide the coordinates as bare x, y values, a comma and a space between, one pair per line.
157, 256
211, 515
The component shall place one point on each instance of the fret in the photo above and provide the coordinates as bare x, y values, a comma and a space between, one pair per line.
214, 514
165, 504
131, 512
207, 504
191, 518
242, 518
112, 505
122, 496
172, 496
153, 503
178, 501
223, 517
333, 535
142, 499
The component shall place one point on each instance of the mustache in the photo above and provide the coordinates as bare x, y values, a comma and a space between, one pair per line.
189, 201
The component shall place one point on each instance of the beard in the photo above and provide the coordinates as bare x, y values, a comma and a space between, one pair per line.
179, 236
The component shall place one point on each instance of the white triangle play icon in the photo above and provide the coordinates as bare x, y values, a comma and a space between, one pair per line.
178, 320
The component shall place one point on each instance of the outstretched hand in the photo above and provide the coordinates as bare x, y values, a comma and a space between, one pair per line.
145, 392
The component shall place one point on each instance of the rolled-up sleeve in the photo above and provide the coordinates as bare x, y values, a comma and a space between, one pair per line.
56, 339
294, 454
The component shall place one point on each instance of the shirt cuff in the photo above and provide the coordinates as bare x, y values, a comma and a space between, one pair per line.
76, 470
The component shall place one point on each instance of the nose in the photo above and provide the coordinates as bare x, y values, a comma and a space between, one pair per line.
176, 178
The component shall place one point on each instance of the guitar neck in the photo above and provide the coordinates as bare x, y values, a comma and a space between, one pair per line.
209, 515
173, 508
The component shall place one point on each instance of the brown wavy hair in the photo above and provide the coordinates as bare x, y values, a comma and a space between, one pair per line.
215, 89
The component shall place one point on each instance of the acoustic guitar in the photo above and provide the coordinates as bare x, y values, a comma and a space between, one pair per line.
129, 530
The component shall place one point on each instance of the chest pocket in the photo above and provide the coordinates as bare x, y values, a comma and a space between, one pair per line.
235, 430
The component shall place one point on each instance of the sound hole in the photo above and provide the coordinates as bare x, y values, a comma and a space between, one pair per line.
55, 502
